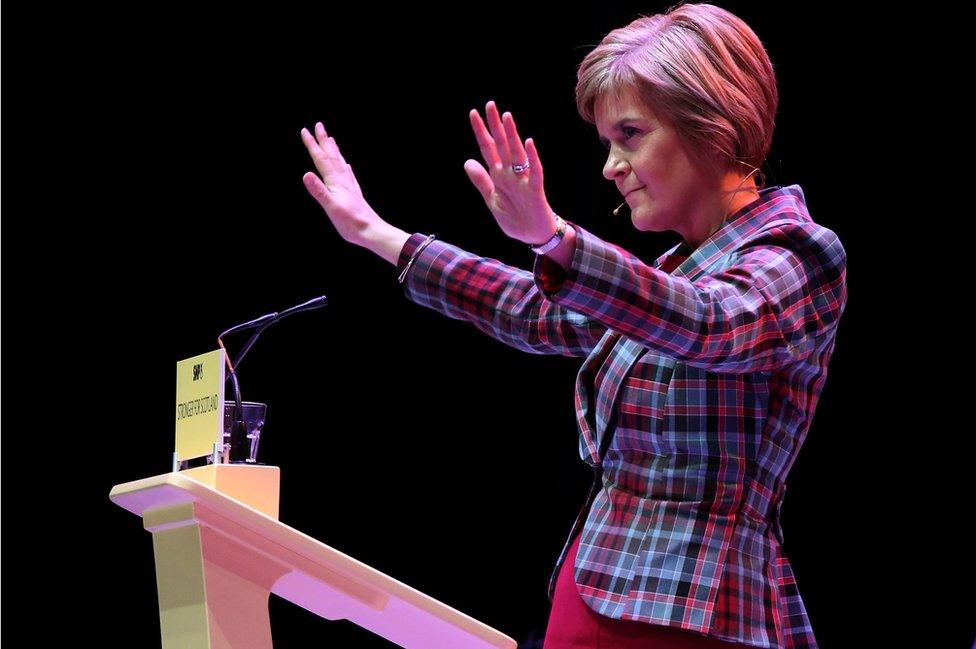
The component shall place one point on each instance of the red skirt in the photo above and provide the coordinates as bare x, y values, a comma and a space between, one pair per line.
574, 625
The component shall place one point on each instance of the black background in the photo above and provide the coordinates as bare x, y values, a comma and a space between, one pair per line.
159, 159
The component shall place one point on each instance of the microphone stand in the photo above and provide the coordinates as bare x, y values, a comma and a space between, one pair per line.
240, 451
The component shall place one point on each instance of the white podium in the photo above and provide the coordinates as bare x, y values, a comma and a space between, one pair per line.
220, 551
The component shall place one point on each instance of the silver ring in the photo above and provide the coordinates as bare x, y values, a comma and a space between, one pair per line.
520, 168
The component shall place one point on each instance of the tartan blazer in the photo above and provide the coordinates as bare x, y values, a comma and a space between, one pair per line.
696, 393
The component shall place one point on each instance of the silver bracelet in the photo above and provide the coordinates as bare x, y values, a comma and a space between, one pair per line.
414, 256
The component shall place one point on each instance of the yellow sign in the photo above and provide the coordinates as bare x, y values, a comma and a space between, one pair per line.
199, 404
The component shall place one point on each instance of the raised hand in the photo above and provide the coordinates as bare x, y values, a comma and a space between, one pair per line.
337, 191
512, 186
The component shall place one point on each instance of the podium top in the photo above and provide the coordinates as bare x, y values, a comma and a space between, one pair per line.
305, 571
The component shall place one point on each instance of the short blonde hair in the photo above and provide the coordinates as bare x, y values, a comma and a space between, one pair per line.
700, 68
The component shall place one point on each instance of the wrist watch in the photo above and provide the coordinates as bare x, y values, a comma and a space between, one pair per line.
554, 240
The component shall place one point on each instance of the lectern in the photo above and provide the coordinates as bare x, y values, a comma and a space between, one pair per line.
220, 551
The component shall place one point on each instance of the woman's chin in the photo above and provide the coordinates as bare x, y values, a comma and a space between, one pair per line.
644, 221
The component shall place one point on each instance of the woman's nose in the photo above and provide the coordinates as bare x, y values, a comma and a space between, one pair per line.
614, 166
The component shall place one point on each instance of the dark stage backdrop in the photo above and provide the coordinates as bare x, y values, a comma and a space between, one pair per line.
161, 157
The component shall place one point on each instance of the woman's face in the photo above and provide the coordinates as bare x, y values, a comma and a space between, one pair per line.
649, 164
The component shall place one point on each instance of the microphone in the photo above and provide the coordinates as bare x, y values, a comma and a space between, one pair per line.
619, 207
238, 439
247, 325
314, 303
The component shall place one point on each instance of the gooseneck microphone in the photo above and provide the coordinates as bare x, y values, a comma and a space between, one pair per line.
314, 303
248, 325
239, 450
619, 207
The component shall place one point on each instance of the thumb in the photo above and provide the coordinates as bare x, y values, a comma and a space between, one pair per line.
316, 188
479, 178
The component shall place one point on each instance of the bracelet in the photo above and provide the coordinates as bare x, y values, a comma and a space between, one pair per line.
414, 256
554, 240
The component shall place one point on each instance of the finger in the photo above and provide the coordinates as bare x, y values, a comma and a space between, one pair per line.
514, 141
487, 146
480, 178
320, 135
310, 143
535, 164
326, 164
316, 188
328, 143
318, 155
314, 148
498, 134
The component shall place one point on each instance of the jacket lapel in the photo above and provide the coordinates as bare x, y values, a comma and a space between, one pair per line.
723, 241
585, 388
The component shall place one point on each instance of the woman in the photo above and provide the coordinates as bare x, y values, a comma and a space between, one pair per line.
702, 370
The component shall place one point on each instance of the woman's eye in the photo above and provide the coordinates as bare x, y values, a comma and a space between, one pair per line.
627, 131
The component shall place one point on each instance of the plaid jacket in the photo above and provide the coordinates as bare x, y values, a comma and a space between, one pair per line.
696, 394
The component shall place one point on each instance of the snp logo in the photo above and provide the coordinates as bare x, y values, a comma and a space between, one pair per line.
198, 371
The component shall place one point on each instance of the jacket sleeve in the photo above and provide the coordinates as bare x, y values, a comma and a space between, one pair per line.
764, 306
500, 300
